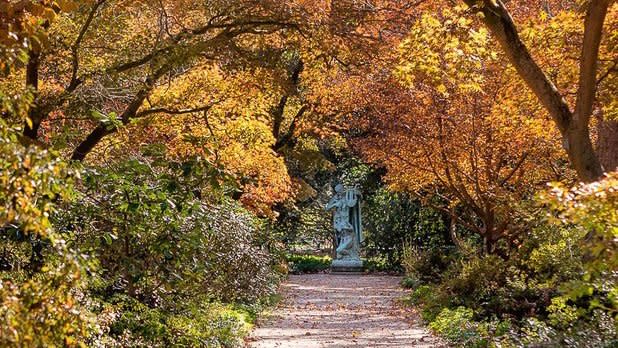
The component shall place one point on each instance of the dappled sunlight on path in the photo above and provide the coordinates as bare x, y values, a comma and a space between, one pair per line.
324, 310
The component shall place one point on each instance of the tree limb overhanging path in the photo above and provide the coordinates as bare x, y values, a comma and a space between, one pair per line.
324, 310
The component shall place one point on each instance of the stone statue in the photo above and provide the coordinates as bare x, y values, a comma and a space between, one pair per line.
348, 230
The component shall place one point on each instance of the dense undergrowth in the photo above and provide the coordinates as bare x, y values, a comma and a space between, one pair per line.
130, 255
557, 289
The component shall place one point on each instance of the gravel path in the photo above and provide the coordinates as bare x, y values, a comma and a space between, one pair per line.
324, 310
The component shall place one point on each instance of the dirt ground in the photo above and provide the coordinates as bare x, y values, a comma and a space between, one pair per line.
324, 310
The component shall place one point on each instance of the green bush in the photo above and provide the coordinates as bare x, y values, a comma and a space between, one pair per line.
42, 280
157, 241
238, 268
196, 324
597, 330
44, 311
308, 263
553, 287
492, 286
394, 219
173, 266
380, 264
457, 327
427, 265
410, 282
421, 295
431, 300
476, 282
592, 211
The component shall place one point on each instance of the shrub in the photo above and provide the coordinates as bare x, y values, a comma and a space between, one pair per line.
597, 330
427, 265
410, 282
168, 256
308, 263
234, 266
553, 254
555, 287
458, 327
431, 300
476, 281
394, 219
155, 239
421, 294
44, 311
593, 210
195, 324
42, 279
380, 264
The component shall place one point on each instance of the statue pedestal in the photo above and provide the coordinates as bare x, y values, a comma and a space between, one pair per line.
346, 267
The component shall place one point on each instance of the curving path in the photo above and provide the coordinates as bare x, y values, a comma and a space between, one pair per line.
324, 310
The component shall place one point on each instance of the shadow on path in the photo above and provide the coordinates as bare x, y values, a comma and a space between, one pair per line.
324, 310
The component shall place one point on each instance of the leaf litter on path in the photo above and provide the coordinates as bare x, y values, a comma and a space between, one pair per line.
324, 310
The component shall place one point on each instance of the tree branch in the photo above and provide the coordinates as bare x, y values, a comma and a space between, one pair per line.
611, 69
514, 170
499, 21
103, 129
189, 33
593, 30
285, 140
76, 45
31, 127
173, 111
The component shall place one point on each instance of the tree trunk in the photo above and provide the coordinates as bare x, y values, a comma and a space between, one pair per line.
291, 88
453, 229
89, 143
277, 114
574, 126
488, 245
607, 144
580, 149
581, 153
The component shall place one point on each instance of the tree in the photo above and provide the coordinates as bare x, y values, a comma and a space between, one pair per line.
108, 56
196, 70
135, 63
447, 124
573, 123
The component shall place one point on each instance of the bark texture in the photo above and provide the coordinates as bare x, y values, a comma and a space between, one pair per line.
607, 144
573, 125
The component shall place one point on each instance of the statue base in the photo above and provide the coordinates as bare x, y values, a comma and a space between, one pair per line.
346, 267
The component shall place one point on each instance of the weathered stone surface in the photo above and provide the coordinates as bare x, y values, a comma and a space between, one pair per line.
346, 267
347, 223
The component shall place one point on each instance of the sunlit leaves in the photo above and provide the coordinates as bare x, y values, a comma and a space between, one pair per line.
31, 179
592, 208
22, 28
454, 122
41, 310
446, 51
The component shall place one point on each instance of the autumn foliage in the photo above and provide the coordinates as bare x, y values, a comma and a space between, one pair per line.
160, 158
